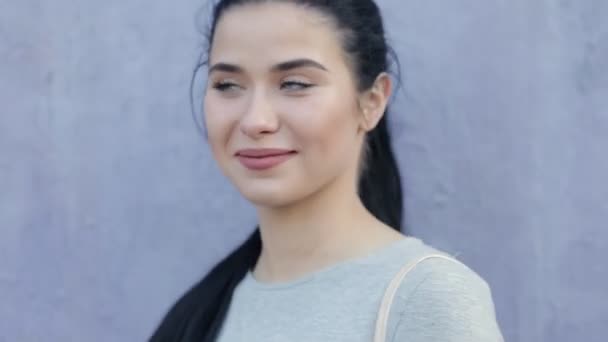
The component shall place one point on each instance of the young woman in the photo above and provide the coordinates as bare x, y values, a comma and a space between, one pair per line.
296, 116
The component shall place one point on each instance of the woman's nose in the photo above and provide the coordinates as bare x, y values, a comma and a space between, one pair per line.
259, 118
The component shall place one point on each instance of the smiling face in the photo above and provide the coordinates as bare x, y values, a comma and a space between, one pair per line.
281, 105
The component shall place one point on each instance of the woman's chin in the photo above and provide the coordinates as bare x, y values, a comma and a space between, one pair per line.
270, 196
268, 199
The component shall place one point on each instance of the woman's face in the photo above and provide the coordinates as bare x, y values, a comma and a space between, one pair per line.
281, 106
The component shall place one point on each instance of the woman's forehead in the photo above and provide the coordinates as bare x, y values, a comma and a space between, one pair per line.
276, 31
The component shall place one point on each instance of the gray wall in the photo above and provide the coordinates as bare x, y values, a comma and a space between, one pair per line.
111, 206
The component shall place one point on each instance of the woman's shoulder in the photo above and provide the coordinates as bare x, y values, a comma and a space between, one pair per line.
432, 266
443, 299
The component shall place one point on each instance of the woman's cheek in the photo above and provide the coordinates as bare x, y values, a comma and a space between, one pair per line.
217, 127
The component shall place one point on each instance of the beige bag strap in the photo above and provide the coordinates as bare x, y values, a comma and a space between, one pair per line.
391, 291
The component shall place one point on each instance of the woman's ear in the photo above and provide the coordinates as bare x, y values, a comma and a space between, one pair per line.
373, 102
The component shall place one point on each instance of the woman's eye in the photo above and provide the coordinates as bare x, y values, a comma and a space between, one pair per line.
225, 86
295, 85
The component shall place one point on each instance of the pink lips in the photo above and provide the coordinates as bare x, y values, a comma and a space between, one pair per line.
265, 158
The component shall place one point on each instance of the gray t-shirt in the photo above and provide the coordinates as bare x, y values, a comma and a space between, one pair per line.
439, 300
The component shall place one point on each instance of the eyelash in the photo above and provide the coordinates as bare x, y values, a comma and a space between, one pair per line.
224, 86
299, 85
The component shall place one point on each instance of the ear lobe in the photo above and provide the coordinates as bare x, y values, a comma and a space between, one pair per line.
370, 119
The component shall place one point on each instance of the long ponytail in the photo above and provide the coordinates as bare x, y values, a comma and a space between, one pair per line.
380, 182
198, 315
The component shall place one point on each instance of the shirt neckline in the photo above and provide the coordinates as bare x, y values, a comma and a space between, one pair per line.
250, 279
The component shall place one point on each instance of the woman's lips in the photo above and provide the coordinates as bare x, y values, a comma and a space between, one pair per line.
262, 159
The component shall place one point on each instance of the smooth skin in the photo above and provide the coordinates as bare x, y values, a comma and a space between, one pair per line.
279, 78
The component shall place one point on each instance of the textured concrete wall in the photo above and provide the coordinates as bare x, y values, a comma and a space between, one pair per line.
110, 204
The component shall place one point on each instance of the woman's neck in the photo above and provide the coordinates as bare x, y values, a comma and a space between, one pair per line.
328, 227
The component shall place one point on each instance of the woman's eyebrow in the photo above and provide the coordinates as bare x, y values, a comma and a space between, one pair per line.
297, 63
281, 67
225, 67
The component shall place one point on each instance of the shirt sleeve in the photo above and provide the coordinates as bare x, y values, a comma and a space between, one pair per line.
450, 303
